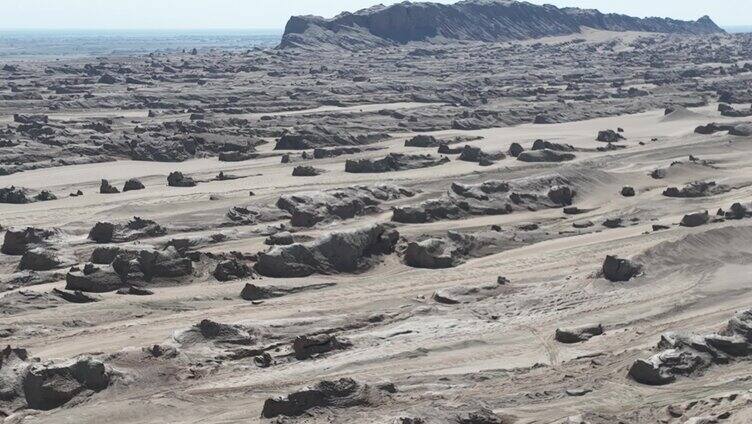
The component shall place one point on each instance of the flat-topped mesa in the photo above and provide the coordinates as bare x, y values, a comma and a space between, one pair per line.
469, 20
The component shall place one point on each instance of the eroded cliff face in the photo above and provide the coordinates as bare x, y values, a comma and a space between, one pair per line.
474, 20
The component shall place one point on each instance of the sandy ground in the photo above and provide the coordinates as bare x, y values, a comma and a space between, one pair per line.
496, 352
437, 353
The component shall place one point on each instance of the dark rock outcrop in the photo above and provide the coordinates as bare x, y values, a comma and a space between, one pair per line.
492, 197
453, 250
347, 251
690, 355
50, 385
309, 208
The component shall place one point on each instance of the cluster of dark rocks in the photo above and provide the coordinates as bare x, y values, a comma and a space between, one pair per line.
492, 197
309, 208
690, 355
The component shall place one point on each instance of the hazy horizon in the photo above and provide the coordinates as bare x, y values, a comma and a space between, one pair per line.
271, 15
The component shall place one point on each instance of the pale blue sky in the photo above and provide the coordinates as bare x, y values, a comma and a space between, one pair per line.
239, 14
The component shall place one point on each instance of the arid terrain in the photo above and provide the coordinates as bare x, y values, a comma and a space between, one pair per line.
555, 230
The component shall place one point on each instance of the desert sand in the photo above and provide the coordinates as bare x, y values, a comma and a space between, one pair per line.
447, 314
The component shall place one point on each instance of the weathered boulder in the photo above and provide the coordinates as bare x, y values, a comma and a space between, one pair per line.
453, 250
690, 355
137, 228
515, 149
695, 219
561, 195
547, 145
422, 141
75, 296
166, 263
619, 270
305, 347
18, 240
475, 154
347, 251
545, 155
232, 269
14, 195
177, 179
43, 259
306, 171
343, 393
132, 185
93, 279
50, 385
609, 136
282, 238
578, 334
106, 188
